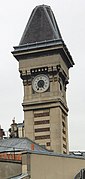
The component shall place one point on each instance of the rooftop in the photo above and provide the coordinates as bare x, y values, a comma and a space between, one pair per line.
19, 144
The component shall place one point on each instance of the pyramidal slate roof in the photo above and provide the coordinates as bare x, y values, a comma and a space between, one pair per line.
42, 32
41, 26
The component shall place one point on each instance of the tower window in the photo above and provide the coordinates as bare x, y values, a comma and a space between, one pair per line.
64, 132
60, 87
63, 124
41, 114
42, 129
64, 139
42, 137
48, 143
64, 146
41, 122
64, 152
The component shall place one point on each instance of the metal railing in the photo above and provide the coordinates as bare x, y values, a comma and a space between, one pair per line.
80, 175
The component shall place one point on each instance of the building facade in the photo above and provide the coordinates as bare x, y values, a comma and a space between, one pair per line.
51, 165
44, 63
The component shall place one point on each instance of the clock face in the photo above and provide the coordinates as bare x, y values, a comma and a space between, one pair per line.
40, 83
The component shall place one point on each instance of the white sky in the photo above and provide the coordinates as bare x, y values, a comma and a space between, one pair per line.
70, 16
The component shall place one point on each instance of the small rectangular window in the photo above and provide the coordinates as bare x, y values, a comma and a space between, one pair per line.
42, 137
41, 122
64, 146
48, 143
42, 129
41, 114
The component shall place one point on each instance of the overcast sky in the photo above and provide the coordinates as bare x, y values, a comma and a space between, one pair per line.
70, 16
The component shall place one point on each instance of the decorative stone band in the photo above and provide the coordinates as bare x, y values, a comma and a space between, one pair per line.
55, 73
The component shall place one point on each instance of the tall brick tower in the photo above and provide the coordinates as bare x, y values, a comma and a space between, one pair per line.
44, 63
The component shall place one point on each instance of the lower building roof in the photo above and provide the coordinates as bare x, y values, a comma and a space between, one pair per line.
19, 144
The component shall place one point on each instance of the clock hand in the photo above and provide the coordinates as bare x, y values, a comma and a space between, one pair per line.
41, 83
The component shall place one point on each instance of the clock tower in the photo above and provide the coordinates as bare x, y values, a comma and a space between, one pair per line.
44, 63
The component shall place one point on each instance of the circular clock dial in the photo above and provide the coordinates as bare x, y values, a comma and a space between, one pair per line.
40, 83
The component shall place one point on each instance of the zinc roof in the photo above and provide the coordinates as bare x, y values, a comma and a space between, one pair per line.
19, 144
